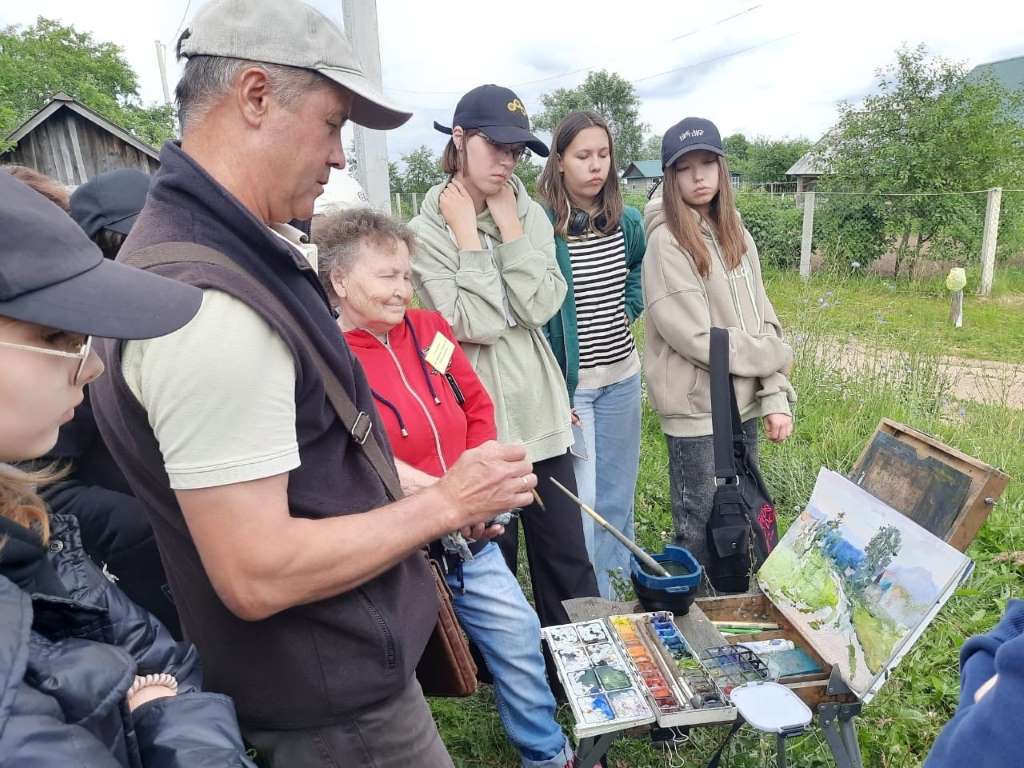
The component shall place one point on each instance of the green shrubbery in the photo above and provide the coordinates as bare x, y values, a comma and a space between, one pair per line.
774, 223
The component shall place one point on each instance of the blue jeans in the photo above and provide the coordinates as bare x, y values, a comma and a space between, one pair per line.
494, 614
606, 479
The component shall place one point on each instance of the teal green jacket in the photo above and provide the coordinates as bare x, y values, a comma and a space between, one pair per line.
560, 330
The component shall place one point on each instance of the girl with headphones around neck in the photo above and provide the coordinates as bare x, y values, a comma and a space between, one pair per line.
486, 262
599, 244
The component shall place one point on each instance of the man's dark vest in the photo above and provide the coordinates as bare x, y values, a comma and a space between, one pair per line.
312, 664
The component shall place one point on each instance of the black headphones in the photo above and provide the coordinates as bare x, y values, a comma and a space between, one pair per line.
579, 222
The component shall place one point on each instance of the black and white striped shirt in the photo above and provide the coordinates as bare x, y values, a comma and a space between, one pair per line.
599, 275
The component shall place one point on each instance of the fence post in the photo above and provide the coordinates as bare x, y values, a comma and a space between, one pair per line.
806, 235
988, 240
398, 205
415, 207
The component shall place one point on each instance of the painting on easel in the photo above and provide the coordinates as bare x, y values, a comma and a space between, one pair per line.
859, 580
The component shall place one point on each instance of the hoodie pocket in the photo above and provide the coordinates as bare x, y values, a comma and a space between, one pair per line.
699, 396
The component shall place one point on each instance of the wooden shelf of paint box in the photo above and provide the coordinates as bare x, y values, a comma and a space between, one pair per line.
678, 687
756, 607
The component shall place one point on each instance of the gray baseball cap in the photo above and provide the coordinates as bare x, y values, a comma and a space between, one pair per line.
293, 34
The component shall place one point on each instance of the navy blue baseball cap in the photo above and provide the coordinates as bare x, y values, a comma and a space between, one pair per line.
112, 200
687, 135
53, 275
499, 113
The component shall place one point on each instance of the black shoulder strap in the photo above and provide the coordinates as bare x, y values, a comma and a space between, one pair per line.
358, 423
725, 414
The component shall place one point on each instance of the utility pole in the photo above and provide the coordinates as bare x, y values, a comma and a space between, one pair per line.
360, 17
161, 60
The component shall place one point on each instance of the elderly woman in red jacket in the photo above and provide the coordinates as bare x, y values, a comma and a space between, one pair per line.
434, 407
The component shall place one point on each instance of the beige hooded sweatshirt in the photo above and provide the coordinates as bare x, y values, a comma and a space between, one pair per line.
682, 307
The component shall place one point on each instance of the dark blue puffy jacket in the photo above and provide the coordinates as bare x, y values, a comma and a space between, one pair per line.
71, 644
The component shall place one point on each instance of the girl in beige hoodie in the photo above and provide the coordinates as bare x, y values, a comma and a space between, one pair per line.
701, 270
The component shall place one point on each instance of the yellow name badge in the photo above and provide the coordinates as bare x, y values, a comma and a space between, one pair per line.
439, 353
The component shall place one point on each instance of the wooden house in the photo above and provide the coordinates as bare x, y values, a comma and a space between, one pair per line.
71, 143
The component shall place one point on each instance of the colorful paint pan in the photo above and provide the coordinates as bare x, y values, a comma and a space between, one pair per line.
592, 632
613, 679
596, 709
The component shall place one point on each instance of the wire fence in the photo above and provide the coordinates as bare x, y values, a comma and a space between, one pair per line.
802, 227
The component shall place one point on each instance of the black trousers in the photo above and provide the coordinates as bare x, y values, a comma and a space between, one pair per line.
555, 550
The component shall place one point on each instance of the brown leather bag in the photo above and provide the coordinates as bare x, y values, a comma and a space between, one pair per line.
446, 667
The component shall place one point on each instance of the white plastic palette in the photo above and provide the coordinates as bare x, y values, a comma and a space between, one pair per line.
602, 693
770, 707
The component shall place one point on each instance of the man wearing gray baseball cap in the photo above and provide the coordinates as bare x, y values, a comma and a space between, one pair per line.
251, 434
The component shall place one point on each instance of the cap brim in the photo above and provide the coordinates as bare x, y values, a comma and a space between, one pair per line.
370, 108
124, 226
510, 134
110, 300
693, 148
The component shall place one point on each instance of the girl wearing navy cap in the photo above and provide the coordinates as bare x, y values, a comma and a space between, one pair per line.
83, 666
701, 270
599, 244
486, 262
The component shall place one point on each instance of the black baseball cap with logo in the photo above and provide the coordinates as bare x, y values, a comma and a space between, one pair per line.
689, 134
499, 114
53, 275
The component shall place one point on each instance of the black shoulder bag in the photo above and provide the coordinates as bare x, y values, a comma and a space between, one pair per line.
741, 530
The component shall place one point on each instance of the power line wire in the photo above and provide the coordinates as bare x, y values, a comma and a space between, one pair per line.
526, 83
174, 37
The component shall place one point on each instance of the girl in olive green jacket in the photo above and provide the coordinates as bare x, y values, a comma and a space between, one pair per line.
486, 262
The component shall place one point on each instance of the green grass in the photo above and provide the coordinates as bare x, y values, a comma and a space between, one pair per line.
890, 313
839, 408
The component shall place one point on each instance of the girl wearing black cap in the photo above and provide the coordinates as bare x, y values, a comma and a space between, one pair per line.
599, 245
487, 264
701, 270
82, 665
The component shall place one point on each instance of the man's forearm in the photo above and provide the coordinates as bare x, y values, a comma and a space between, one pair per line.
271, 561
336, 554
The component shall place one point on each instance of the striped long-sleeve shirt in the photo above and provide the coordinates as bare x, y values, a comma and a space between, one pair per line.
607, 352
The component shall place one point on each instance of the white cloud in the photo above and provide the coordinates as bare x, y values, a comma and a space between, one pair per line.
829, 51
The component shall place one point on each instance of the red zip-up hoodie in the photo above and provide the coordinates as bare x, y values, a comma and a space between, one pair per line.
437, 429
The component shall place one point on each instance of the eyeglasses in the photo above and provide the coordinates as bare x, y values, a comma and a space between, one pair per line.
515, 150
81, 354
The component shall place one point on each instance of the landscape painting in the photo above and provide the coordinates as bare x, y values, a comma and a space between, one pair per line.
859, 580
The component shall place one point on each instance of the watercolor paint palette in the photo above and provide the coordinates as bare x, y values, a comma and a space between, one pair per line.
603, 693
732, 666
678, 686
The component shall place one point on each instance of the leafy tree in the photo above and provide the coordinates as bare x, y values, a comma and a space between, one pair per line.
395, 178
650, 149
611, 96
736, 147
38, 61
422, 170
926, 129
766, 160
528, 172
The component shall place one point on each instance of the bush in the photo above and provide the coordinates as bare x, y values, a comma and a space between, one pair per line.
635, 200
774, 223
849, 232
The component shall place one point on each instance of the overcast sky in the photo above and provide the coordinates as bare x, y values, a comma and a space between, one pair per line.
775, 67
